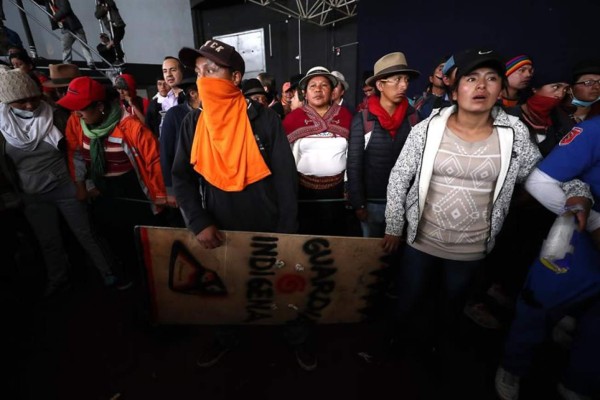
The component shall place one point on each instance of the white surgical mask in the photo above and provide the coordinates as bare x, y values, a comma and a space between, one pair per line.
581, 103
24, 113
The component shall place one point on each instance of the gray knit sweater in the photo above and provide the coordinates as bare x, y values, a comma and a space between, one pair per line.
405, 202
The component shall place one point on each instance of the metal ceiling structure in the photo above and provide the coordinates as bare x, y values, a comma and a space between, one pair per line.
318, 12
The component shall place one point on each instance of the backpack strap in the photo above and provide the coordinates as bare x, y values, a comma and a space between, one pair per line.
413, 118
368, 124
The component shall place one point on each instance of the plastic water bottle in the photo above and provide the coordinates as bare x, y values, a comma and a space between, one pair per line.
557, 249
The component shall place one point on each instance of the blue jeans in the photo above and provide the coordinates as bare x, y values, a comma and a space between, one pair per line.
420, 279
67, 39
374, 226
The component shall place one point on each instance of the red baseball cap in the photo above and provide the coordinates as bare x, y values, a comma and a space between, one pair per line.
82, 92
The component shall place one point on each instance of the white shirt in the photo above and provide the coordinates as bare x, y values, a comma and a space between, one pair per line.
321, 155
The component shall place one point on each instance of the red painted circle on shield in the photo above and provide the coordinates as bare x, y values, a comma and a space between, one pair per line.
290, 283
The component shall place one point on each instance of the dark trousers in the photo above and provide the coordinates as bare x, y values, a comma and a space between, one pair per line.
119, 32
431, 292
117, 210
322, 211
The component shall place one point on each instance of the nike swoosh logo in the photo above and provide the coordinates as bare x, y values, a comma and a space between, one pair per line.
484, 52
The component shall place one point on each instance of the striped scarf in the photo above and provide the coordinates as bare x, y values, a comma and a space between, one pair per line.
96, 135
312, 123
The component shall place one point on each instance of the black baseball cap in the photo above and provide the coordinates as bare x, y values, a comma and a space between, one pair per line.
469, 60
215, 50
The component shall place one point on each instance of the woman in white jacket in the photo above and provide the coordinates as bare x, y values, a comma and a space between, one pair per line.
452, 186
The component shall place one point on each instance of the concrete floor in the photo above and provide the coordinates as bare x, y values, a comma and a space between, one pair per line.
93, 343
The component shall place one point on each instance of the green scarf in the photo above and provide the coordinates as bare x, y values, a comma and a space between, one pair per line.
96, 134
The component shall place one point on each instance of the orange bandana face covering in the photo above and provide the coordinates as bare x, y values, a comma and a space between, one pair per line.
224, 150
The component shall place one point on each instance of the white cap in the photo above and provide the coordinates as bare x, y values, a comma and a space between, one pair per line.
341, 78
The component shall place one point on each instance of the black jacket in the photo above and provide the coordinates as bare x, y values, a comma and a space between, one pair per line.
269, 205
65, 15
153, 116
103, 8
369, 169
548, 138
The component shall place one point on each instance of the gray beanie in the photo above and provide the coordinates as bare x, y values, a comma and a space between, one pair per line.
16, 85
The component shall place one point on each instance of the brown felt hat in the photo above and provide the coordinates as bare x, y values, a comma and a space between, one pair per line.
61, 75
390, 64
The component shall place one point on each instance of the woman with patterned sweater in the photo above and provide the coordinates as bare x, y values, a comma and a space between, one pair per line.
452, 186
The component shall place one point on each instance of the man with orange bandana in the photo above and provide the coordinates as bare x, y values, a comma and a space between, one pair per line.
234, 168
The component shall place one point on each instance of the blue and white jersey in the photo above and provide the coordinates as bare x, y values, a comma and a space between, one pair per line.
577, 156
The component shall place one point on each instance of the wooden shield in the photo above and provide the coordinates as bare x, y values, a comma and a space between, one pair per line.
260, 278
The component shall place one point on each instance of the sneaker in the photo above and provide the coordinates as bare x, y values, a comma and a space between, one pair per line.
568, 394
212, 355
307, 359
56, 288
123, 284
481, 315
499, 295
117, 283
563, 331
507, 385
110, 280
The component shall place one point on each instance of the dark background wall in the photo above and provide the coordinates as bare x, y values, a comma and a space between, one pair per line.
555, 33
317, 42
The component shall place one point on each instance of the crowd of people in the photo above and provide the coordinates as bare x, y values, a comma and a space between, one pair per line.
461, 184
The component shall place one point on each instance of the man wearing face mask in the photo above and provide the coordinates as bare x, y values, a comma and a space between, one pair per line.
540, 112
259, 193
32, 149
585, 91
